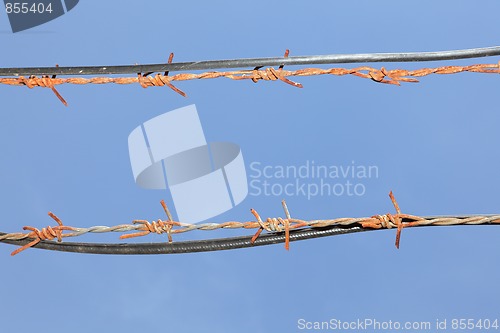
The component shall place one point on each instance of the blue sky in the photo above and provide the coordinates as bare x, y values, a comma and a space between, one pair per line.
435, 144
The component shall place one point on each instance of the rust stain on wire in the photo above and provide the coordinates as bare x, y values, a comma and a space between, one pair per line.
382, 75
271, 225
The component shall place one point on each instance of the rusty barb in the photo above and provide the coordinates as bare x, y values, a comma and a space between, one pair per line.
272, 225
147, 79
158, 227
48, 233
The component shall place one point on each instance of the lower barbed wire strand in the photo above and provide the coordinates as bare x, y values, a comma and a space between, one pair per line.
202, 245
276, 226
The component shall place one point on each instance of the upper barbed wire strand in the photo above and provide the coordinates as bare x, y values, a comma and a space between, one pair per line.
394, 76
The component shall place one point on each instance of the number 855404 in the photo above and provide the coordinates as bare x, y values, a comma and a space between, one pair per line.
27, 8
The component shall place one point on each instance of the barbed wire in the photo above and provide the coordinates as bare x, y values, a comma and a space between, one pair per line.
257, 62
145, 79
276, 225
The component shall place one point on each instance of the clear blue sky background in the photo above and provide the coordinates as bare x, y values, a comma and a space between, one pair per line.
435, 144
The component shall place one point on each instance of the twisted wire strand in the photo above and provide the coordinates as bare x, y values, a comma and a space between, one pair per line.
285, 226
382, 75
